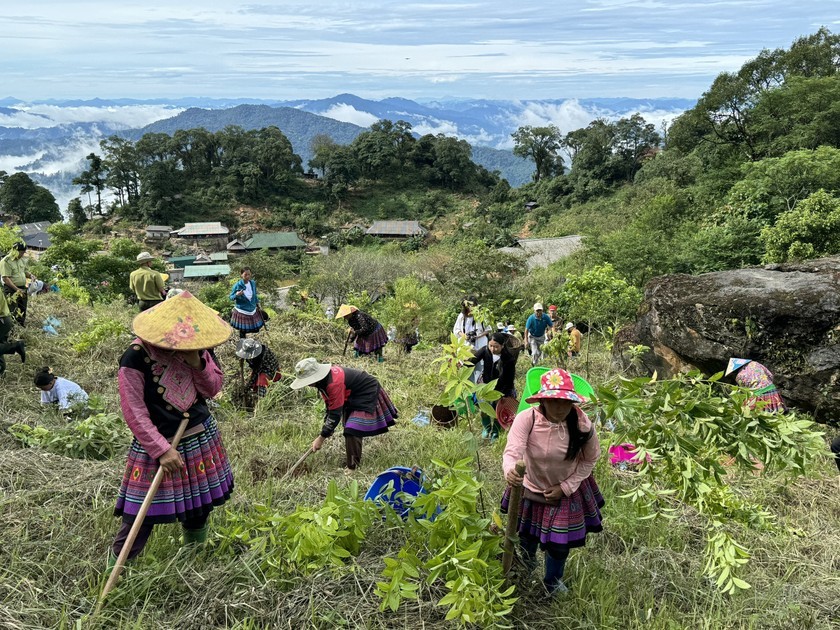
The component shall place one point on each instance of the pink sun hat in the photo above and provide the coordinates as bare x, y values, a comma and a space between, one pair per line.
556, 383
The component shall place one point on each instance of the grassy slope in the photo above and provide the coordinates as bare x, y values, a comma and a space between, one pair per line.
56, 523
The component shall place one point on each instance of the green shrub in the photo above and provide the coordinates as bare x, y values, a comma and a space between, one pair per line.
100, 436
98, 330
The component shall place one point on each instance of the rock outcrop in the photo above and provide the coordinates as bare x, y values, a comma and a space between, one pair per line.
785, 316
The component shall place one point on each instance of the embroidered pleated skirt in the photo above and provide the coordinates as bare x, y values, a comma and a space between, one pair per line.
375, 340
246, 322
365, 424
565, 525
205, 481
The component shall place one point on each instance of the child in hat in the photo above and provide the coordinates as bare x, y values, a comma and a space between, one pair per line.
166, 377
353, 397
264, 366
561, 502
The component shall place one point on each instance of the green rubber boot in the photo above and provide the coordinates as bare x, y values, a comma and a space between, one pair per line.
195, 536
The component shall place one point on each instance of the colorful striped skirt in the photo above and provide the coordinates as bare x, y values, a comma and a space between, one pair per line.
375, 340
364, 424
565, 525
248, 323
771, 398
205, 481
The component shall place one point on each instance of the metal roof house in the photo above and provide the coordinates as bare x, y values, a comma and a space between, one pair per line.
396, 229
200, 272
274, 241
208, 229
236, 247
28, 229
38, 241
158, 232
180, 262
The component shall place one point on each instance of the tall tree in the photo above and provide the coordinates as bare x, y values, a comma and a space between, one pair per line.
93, 179
540, 144
29, 202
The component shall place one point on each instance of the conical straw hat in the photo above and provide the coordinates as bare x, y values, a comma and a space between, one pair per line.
345, 310
182, 322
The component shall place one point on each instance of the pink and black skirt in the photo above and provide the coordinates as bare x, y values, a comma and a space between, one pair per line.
565, 525
246, 323
373, 342
205, 482
364, 424
770, 399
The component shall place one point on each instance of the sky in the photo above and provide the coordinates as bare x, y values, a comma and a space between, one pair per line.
289, 49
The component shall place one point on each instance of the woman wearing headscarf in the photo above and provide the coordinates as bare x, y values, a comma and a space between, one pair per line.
166, 377
246, 316
561, 501
265, 369
353, 397
369, 337
498, 363
753, 375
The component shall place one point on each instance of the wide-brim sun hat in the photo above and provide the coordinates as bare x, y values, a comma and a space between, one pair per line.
556, 384
144, 256
345, 310
735, 364
248, 348
182, 322
569, 325
538, 306
309, 371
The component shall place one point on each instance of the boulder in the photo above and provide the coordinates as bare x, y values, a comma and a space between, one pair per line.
785, 316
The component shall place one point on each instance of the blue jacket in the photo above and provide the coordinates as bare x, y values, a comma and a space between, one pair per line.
241, 302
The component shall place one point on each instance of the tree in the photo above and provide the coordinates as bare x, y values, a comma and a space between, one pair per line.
76, 212
93, 179
600, 296
809, 230
540, 144
634, 139
321, 147
29, 202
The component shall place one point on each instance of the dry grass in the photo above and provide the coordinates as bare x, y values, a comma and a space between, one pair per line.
56, 523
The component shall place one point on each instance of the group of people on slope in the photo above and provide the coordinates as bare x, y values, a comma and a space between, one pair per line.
541, 327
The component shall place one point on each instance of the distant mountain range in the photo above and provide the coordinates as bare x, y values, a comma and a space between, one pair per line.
49, 139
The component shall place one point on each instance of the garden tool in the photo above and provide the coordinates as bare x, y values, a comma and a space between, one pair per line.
513, 519
119, 565
302, 459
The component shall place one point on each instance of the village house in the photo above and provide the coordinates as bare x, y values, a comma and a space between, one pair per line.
396, 229
158, 232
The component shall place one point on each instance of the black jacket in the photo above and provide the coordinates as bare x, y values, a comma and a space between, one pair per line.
504, 369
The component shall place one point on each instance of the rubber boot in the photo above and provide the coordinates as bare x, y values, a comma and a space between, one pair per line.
195, 536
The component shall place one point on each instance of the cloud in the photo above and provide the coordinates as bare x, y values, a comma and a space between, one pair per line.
349, 114
118, 117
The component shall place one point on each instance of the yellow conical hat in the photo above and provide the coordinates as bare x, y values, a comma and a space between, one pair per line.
182, 322
345, 310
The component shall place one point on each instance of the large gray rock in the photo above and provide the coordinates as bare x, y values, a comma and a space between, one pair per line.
785, 316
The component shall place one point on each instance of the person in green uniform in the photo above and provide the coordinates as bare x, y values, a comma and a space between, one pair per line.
7, 347
14, 274
146, 283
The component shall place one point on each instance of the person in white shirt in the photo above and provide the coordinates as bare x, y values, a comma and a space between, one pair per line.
59, 391
466, 326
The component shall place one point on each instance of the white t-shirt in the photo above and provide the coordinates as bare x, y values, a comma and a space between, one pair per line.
468, 325
65, 393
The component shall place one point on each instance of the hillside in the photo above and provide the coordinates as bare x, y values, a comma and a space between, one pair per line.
302, 127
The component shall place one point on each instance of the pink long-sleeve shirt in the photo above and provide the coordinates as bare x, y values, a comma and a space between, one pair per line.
543, 445
187, 384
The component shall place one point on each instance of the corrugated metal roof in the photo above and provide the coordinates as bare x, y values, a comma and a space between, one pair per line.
541, 252
27, 229
274, 240
158, 228
396, 228
236, 245
219, 256
181, 261
205, 271
208, 228
37, 240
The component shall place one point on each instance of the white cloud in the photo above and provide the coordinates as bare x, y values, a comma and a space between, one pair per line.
119, 117
349, 114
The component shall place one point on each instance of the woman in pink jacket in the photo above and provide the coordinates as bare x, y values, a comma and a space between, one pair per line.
561, 501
